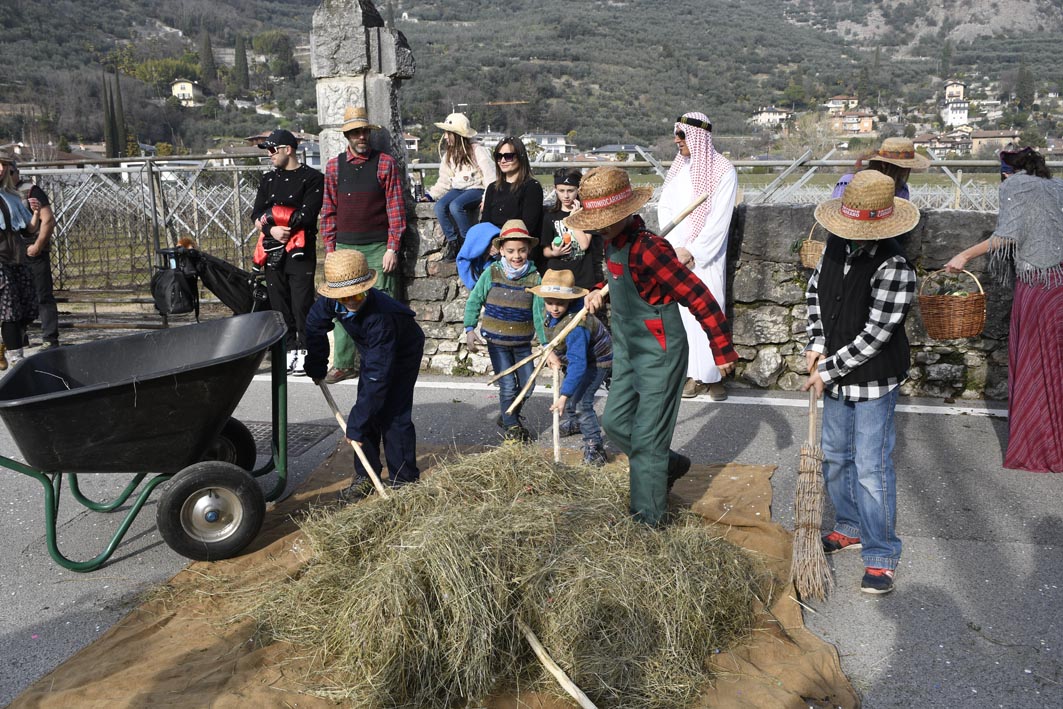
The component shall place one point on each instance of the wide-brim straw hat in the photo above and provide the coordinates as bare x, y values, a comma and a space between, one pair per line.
560, 284
900, 152
606, 197
458, 123
355, 117
868, 210
347, 273
514, 229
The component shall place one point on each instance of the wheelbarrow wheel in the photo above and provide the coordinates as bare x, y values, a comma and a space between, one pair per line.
210, 510
235, 445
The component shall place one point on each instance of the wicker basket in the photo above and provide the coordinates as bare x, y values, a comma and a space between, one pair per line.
952, 317
811, 250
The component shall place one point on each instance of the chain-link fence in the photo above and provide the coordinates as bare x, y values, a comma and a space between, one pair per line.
111, 220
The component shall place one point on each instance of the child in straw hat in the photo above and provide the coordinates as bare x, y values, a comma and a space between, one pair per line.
390, 345
896, 158
586, 354
511, 317
858, 299
646, 283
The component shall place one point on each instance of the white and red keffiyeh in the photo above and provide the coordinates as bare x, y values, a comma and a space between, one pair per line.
707, 168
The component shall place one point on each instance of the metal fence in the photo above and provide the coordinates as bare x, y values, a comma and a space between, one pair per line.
112, 218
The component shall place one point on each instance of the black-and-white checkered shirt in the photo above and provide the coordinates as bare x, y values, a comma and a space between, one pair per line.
892, 290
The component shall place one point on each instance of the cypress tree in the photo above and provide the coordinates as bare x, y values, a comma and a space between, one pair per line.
108, 133
240, 75
208, 70
120, 136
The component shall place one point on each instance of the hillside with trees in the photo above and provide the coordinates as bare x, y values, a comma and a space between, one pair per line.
610, 70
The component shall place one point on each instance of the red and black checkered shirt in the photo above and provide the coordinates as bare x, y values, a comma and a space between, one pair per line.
387, 173
661, 279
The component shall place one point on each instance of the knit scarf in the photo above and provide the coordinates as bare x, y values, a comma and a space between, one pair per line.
20, 216
515, 273
707, 168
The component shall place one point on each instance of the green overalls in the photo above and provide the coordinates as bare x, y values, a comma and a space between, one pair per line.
649, 368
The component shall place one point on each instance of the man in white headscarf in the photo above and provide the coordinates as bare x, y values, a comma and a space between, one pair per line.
700, 240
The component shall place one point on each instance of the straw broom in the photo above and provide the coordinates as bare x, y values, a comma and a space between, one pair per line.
549, 347
808, 568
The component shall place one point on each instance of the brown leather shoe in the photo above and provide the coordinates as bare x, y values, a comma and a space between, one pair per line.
717, 392
338, 375
692, 388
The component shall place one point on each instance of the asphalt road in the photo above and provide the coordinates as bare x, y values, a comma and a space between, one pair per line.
974, 622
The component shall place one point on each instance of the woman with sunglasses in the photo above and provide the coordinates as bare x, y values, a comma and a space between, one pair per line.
700, 241
515, 194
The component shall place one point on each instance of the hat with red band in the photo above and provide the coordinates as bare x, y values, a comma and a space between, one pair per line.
868, 210
606, 197
514, 229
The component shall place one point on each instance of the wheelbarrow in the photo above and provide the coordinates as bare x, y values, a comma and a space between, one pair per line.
158, 403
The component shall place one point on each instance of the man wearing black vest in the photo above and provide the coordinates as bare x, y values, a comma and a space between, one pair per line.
858, 299
289, 271
364, 209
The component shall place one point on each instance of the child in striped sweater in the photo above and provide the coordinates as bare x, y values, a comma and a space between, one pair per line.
511, 317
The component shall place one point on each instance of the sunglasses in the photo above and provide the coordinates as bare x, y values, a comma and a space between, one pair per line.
681, 135
272, 150
505, 157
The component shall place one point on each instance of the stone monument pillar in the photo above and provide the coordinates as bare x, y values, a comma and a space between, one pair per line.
358, 61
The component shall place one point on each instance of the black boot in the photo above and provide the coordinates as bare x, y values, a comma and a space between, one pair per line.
450, 251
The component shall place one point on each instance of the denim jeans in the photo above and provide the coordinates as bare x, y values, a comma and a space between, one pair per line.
858, 440
502, 358
452, 211
580, 407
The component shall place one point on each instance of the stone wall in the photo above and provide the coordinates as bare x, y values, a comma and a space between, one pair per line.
765, 303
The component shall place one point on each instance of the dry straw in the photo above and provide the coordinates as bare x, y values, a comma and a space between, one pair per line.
418, 600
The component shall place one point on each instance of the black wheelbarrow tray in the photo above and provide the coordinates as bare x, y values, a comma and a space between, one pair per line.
158, 403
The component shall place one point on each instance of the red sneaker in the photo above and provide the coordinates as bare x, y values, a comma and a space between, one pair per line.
876, 580
836, 541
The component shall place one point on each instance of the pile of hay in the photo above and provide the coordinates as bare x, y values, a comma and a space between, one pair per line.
413, 601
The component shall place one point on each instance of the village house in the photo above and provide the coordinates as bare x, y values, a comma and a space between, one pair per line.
770, 117
853, 123
992, 139
840, 104
412, 142
554, 144
955, 91
188, 92
490, 138
614, 151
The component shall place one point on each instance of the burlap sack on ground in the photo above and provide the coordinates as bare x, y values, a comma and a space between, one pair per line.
190, 645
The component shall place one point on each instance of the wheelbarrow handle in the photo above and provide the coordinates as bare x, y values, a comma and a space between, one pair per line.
357, 448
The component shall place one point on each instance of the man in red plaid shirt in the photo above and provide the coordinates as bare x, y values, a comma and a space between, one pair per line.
364, 209
646, 281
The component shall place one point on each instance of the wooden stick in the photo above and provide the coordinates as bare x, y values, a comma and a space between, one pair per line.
515, 367
552, 667
557, 416
583, 313
357, 448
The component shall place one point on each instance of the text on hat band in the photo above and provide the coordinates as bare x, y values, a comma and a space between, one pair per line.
547, 288
867, 215
608, 200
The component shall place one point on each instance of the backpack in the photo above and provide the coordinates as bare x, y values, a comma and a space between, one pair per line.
174, 285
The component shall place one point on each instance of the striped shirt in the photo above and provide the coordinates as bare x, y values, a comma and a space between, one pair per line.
892, 292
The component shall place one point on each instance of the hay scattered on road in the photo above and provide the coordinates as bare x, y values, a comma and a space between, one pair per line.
412, 601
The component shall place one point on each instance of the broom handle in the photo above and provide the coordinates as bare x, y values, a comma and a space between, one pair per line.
813, 409
357, 448
583, 313
553, 668
557, 417
515, 367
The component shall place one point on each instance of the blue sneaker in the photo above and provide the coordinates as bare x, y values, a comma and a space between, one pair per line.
877, 581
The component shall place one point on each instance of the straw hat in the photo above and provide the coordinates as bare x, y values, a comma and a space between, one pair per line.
900, 152
7, 158
559, 284
514, 229
347, 273
867, 210
458, 123
606, 197
356, 117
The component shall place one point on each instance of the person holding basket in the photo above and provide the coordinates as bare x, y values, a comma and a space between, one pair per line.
1027, 246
